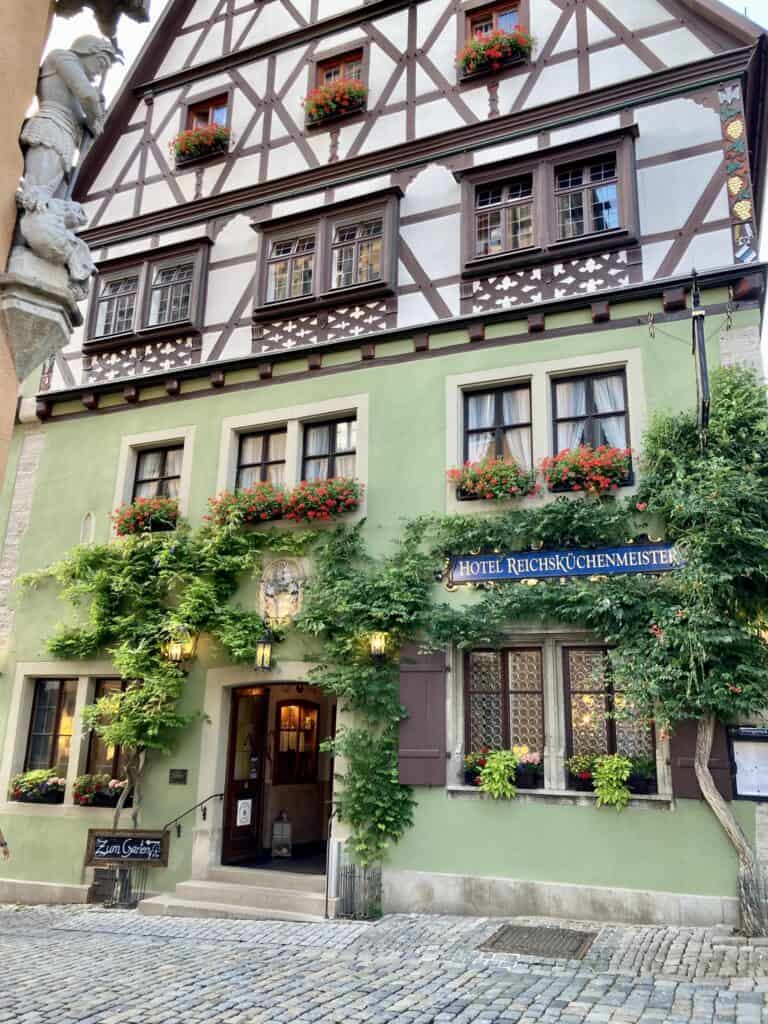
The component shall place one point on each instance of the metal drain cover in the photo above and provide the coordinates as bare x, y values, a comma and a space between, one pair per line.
554, 943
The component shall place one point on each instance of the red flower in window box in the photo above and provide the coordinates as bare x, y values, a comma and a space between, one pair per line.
146, 515
493, 480
319, 500
258, 504
344, 96
493, 50
199, 142
593, 470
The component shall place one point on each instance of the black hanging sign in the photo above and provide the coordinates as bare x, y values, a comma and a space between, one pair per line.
131, 846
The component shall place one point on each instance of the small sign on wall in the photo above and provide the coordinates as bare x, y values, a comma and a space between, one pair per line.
244, 813
177, 776
749, 760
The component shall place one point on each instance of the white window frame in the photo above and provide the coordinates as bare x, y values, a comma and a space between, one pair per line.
539, 376
130, 448
294, 418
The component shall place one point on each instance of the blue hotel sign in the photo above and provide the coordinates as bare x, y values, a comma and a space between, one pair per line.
542, 565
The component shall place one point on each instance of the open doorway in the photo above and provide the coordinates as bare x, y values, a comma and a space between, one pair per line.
279, 783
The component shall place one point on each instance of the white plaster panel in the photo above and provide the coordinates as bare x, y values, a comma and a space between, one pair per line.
399, 93
653, 257
680, 47
478, 101
674, 124
157, 196
275, 20
554, 83
162, 106
213, 44
120, 207
244, 171
544, 16
255, 75
201, 11
387, 130
425, 83
597, 30
615, 65
395, 28
413, 309
435, 244
240, 23
381, 68
363, 187
436, 116
182, 235
241, 115
347, 135
452, 298
443, 52
225, 286
506, 150
286, 159
209, 339
132, 172
152, 166
303, 7
568, 40
239, 343
139, 115
638, 15
714, 249
681, 183
720, 208
351, 35
433, 187
236, 238
403, 275
116, 252
288, 207
180, 49
509, 90
188, 184
585, 130
331, 7
119, 155
428, 14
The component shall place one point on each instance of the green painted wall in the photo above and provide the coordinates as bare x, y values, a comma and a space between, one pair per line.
679, 850
407, 419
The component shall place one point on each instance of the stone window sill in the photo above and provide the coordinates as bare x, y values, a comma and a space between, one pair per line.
653, 801
95, 815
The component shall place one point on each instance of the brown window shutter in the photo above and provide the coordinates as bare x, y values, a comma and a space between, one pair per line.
682, 746
422, 733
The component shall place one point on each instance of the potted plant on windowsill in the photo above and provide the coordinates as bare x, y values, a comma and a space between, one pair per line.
530, 770
594, 471
581, 772
198, 143
258, 504
491, 52
146, 515
99, 790
320, 500
493, 480
334, 100
41, 786
474, 762
642, 776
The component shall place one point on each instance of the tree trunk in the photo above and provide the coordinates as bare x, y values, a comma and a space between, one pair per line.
133, 771
141, 760
754, 919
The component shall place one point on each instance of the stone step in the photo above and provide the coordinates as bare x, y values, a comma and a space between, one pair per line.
261, 897
268, 879
166, 905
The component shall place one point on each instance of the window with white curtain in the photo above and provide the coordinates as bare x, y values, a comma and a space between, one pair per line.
329, 450
590, 410
497, 424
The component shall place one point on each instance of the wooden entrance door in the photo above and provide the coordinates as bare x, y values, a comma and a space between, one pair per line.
244, 801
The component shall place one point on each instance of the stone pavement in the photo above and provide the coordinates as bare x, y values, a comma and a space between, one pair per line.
92, 966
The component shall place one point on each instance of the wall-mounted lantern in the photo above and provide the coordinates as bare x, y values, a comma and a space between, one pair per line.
263, 658
378, 644
181, 647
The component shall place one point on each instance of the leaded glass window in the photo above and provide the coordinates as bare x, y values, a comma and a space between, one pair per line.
357, 253
116, 305
171, 294
51, 725
587, 197
504, 220
290, 268
505, 699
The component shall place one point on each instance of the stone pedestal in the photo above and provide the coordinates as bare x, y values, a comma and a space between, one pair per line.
37, 310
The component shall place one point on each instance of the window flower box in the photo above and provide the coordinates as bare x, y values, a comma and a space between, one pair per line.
42, 786
98, 791
581, 771
493, 480
529, 773
591, 470
328, 103
492, 52
319, 500
200, 143
474, 762
146, 515
642, 777
258, 504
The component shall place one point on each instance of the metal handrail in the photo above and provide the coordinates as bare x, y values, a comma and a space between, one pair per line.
177, 821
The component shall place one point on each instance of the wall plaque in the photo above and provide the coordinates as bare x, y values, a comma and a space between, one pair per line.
135, 846
177, 776
749, 761
539, 565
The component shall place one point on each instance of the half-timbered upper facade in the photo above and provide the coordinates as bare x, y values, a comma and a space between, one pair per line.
617, 152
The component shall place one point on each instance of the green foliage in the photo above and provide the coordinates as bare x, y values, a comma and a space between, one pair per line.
581, 765
497, 777
611, 772
36, 784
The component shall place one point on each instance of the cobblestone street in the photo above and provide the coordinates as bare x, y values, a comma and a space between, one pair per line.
93, 966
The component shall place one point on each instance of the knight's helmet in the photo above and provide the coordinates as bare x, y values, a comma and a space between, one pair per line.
88, 46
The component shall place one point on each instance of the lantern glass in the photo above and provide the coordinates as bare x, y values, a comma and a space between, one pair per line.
263, 659
181, 648
378, 644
